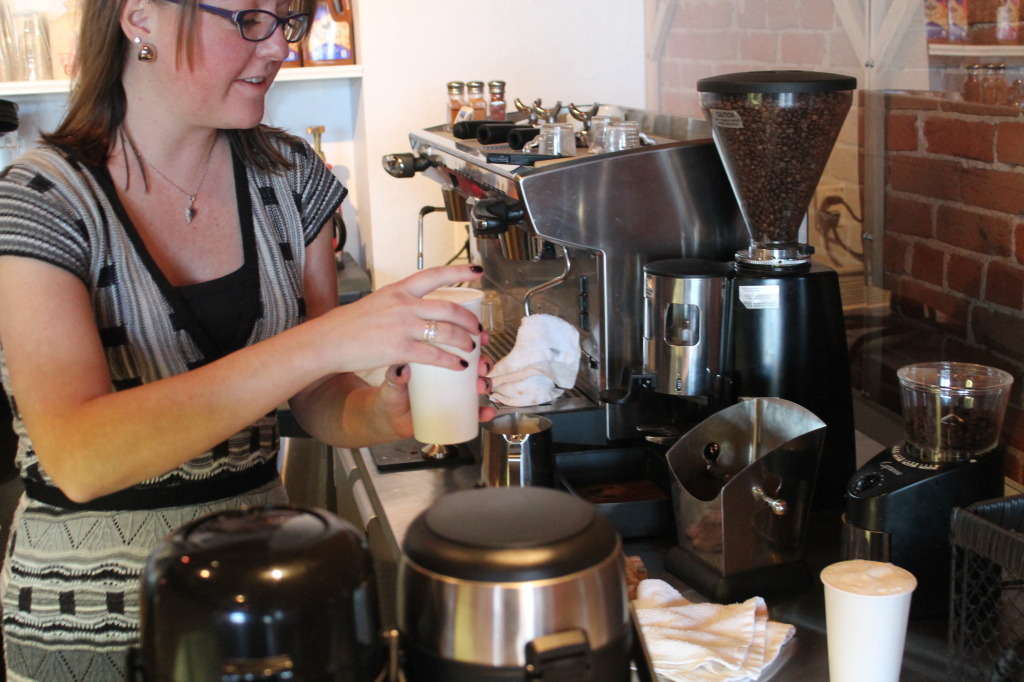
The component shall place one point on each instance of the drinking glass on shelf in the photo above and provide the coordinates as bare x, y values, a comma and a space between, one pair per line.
8, 49
623, 135
33, 47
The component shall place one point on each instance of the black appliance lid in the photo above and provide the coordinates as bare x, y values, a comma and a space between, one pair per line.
512, 534
283, 554
682, 268
8, 116
776, 81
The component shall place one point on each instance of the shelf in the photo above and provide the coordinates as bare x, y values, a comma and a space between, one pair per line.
967, 50
308, 73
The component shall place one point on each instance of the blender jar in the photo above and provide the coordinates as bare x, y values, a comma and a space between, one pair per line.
952, 411
774, 131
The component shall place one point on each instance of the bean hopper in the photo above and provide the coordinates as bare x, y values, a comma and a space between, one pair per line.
899, 503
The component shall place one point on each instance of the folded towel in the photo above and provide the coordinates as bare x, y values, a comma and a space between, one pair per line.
544, 360
707, 642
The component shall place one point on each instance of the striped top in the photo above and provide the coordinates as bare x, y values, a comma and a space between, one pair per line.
58, 211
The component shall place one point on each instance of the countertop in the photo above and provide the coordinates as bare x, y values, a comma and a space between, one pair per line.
385, 503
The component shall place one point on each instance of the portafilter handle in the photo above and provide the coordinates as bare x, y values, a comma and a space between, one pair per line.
492, 217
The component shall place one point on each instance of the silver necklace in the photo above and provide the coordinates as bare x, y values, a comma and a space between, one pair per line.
190, 211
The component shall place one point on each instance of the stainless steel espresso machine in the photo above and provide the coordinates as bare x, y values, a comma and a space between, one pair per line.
603, 241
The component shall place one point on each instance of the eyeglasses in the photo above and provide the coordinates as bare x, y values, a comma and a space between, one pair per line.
256, 25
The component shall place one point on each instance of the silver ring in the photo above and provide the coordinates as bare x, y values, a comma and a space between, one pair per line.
430, 332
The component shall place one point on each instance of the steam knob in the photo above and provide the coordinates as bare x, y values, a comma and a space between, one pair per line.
404, 165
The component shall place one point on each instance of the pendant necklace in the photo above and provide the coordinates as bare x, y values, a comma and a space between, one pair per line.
190, 211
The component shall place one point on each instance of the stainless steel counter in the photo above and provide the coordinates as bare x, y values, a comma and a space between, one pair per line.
386, 503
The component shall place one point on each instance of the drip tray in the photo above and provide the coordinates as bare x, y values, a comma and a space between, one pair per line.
408, 454
629, 485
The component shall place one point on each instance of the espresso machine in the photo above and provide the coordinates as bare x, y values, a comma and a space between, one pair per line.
588, 237
899, 503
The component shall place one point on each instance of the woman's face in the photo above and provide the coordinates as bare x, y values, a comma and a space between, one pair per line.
228, 80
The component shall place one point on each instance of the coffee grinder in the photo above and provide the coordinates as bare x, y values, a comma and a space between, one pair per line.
786, 335
899, 503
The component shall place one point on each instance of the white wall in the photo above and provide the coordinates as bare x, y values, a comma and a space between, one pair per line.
567, 50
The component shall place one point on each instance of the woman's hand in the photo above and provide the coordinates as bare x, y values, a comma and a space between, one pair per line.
392, 325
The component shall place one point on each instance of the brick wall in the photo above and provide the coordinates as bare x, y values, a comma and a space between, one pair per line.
711, 37
954, 236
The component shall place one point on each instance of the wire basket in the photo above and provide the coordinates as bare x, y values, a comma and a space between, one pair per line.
986, 618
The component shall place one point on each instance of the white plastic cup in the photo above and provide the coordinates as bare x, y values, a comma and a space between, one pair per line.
867, 604
444, 402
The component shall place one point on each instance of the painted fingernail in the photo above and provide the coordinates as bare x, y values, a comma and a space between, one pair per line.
474, 346
476, 268
479, 327
464, 364
399, 370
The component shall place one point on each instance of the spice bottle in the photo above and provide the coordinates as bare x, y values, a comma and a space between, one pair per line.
456, 100
496, 105
475, 95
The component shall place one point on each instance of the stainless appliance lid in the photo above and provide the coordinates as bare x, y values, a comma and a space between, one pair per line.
510, 535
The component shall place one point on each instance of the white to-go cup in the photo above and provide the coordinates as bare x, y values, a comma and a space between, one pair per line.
866, 608
444, 402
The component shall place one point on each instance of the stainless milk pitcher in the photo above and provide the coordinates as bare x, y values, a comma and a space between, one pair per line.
516, 450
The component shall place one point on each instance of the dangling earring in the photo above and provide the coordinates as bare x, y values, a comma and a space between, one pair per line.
147, 52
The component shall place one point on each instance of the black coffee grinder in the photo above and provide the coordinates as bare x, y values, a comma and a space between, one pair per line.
775, 131
899, 503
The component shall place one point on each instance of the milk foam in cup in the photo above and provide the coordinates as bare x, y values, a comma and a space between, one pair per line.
444, 402
866, 608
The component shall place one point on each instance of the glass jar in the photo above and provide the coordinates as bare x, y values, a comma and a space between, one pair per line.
1015, 95
972, 84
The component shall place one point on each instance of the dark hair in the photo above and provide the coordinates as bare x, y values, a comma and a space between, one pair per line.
97, 104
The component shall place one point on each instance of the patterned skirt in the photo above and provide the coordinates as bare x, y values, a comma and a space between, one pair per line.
71, 585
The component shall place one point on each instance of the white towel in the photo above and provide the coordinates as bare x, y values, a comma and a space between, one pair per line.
543, 362
707, 642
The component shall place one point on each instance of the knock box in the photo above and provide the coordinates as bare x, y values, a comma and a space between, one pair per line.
742, 484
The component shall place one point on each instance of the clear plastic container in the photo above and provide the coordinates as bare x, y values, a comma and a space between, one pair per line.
952, 411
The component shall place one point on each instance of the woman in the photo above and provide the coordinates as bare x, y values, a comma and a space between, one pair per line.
157, 256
